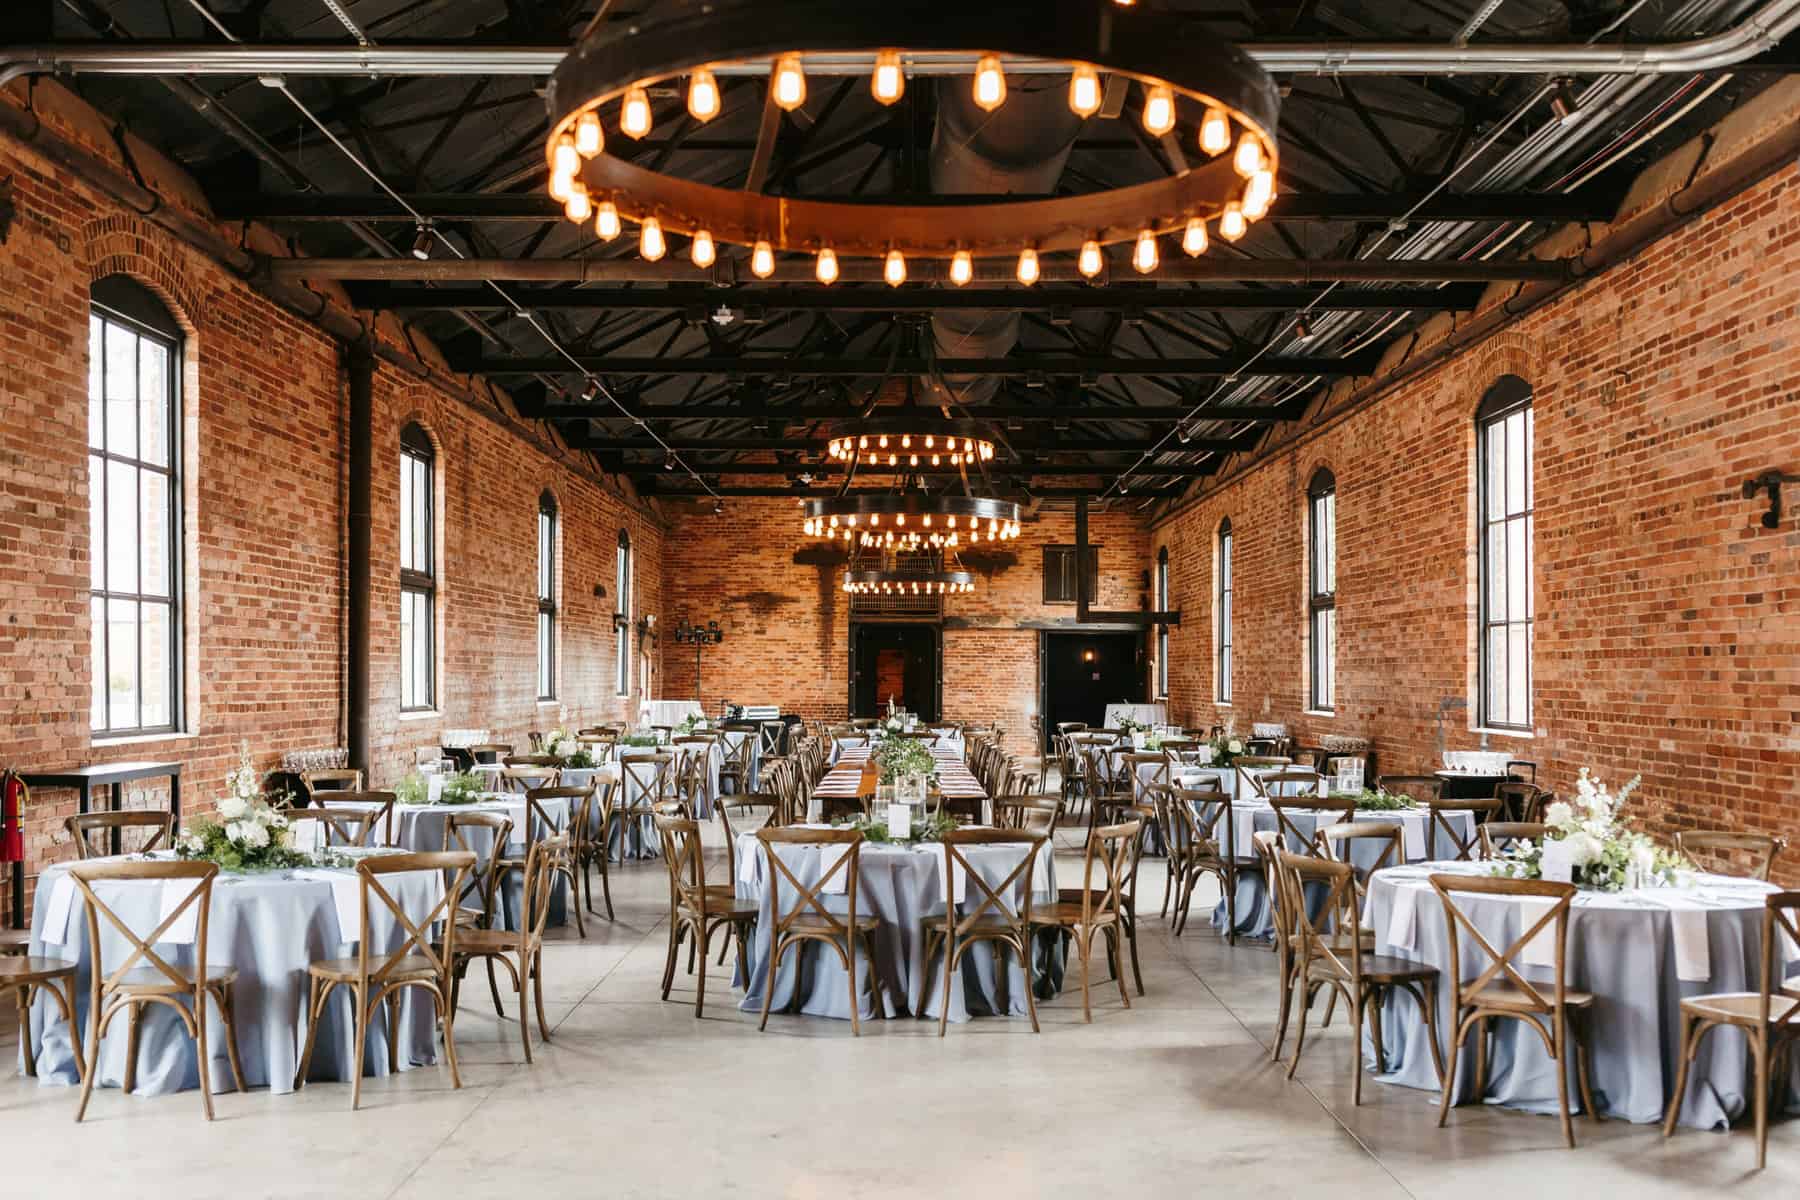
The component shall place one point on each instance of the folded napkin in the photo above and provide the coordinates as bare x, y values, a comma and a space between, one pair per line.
309, 837
346, 897
1412, 836
1540, 951
829, 857
1403, 917
1243, 831
1693, 952
187, 925
749, 858
57, 910
959, 877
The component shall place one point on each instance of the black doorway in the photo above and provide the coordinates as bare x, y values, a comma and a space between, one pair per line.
1084, 672
898, 661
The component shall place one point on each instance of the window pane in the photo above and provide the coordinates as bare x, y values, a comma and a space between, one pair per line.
97, 520
1530, 485
154, 496
543, 653
421, 632
406, 513
1518, 583
158, 674
121, 527
97, 635
153, 402
1516, 463
1331, 543
121, 391
407, 691
1496, 569
423, 557
122, 669
96, 374
1518, 667
1494, 500
1496, 673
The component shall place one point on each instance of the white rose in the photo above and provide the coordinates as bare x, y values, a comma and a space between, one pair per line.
1583, 849
1558, 814
1234, 746
233, 808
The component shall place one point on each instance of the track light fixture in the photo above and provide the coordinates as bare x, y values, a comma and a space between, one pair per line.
423, 243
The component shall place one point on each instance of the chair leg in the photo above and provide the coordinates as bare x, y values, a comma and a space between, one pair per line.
131, 1048
22, 998
229, 1017
1481, 1058
1759, 1047
575, 902
1228, 881
1286, 972
537, 991
855, 1005
362, 1040
768, 983
1584, 1069
524, 1019
705, 940
1330, 1008
93, 1062
1030, 984
669, 959
315, 1004
1373, 1007
1086, 941
393, 1036
1306, 999
448, 1015
1429, 993
1118, 932
606, 879
202, 1058
1137, 972
493, 986
1562, 1079
1360, 1009
949, 965
1459, 1030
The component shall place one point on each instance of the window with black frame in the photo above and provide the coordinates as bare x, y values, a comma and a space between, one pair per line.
134, 498
1321, 503
1506, 498
418, 571
546, 603
1222, 616
622, 617
1162, 631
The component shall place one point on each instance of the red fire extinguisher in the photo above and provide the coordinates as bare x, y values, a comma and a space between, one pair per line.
13, 794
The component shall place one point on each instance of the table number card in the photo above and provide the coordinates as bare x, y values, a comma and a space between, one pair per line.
899, 821
434, 788
1555, 863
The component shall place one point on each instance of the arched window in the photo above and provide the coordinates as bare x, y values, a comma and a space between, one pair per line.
1162, 631
1506, 498
1222, 616
1321, 505
622, 618
418, 571
134, 495
546, 600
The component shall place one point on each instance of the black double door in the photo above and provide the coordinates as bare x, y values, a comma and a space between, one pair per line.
1084, 672
900, 662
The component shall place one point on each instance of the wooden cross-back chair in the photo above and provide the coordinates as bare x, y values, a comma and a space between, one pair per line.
487, 851
589, 843
698, 909
1028, 814
693, 775
1326, 812
1267, 843
1090, 911
989, 916
376, 978
1502, 992
22, 976
490, 752
1519, 801
1282, 783
160, 824
646, 779
327, 780
540, 825
808, 919
739, 754
1497, 837
1443, 833
1202, 832
1330, 954
525, 777
531, 760
1420, 788
128, 987
355, 818
1732, 849
520, 951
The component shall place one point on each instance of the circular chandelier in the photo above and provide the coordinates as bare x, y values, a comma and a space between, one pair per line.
916, 442
895, 583
910, 520
1231, 102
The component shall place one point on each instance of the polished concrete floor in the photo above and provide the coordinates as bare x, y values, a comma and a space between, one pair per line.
635, 1098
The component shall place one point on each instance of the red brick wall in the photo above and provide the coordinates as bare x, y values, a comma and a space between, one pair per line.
265, 444
1668, 619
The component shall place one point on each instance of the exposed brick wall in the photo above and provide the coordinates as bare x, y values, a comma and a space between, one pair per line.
265, 445
1668, 619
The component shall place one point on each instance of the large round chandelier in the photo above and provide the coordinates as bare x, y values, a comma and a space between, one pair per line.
602, 89
910, 520
911, 442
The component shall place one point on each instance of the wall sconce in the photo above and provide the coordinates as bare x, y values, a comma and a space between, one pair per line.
1087, 656
646, 628
1769, 481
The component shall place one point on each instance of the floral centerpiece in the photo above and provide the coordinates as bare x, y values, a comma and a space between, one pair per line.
1380, 800
562, 745
691, 724
897, 757
249, 834
932, 829
895, 722
1225, 748
1602, 850
640, 738
461, 788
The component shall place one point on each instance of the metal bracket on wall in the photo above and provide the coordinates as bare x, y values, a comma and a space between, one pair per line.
1769, 481
1085, 614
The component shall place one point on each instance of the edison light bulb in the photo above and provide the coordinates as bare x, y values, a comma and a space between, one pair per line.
650, 240
1091, 260
703, 252
1028, 266
1159, 110
1143, 255
789, 82
1084, 91
1232, 223
1249, 157
1215, 131
990, 83
561, 185
762, 260
703, 95
634, 113
565, 159
962, 267
893, 268
1193, 238
1258, 194
606, 221
577, 207
590, 139
827, 266
889, 81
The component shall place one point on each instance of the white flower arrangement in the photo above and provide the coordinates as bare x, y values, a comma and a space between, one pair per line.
1602, 850
250, 833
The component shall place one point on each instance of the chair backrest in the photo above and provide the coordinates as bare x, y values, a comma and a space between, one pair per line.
1158, 772
737, 755
1251, 762
1522, 768
680, 837
1518, 800
142, 947
994, 900
1755, 851
808, 897
1781, 928
1327, 811
1028, 814
374, 966
1282, 783
772, 808
489, 751
1419, 787
481, 872
160, 823
1112, 849
1201, 822
1328, 935
1481, 809
532, 760
524, 779
770, 736
1342, 838
645, 779
543, 862
357, 817
1502, 961
1267, 843
1498, 836
333, 779
537, 815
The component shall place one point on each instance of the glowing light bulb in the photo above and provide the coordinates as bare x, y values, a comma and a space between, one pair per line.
606, 221
1259, 193
561, 185
565, 159
893, 268
1028, 266
1215, 131
634, 113
827, 266
1193, 238
789, 83
1084, 91
889, 81
990, 83
590, 139
1249, 157
962, 267
762, 260
1159, 110
703, 95
650, 240
1232, 223
577, 207
703, 252
1143, 255
1091, 260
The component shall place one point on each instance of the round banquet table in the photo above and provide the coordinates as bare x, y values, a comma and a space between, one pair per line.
1142, 714
270, 926
1639, 952
899, 884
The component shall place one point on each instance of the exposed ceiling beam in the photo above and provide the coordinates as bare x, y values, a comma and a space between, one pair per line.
1023, 366
998, 470
651, 487
816, 411
703, 445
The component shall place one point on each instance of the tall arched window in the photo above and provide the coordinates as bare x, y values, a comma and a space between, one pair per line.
134, 497
1506, 498
418, 571
546, 600
1222, 616
1321, 505
622, 618
1162, 631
